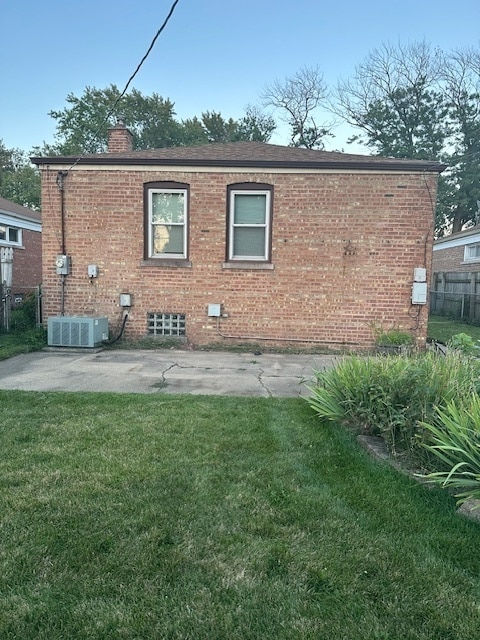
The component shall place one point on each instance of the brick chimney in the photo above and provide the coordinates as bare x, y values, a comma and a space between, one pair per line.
120, 139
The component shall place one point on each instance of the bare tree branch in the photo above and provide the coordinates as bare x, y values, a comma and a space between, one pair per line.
299, 98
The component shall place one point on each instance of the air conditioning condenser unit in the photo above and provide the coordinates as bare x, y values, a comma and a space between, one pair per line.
77, 331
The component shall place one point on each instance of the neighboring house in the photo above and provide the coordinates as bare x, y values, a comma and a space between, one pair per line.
458, 252
455, 282
238, 242
20, 248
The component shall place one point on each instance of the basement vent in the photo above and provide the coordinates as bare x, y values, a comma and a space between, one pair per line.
68, 331
166, 324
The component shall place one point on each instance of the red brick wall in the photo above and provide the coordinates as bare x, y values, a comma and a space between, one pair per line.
451, 260
27, 261
344, 248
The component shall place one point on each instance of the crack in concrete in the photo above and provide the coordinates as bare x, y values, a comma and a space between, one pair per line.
262, 383
164, 382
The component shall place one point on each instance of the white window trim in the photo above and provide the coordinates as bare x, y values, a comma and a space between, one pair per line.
9, 243
266, 226
169, 256
467, 257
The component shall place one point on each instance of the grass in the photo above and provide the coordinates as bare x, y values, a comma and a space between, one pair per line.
14, 343
442, 329
145, 517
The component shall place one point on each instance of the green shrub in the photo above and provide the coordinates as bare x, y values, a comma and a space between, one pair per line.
464, 343
15, 342
391, 396
393, 338
454, 439
24, 316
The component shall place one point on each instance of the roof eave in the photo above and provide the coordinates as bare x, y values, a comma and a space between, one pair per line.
273, 164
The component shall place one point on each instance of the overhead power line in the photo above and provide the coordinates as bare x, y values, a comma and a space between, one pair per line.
172, 9
112, 108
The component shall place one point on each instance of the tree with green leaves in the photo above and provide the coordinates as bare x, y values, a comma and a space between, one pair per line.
394, 100
82, 126
19, 180
461, 79
414, 102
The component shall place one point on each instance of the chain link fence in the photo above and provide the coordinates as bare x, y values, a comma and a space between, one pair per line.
20, 306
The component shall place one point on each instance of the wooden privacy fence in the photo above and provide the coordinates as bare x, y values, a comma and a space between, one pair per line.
456, 295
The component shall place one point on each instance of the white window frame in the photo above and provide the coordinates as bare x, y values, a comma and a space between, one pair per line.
233, 226
173, 256
7, 241
471, 258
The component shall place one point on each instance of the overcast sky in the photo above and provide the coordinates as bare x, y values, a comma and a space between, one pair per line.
213, 55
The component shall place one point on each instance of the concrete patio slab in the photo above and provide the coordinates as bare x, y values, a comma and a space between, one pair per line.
164, 371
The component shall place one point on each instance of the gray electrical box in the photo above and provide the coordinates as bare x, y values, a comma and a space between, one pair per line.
420, 274
214, 310
125, 300
419, 293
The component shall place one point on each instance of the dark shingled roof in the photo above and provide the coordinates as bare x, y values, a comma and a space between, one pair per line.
16, 210
246, 154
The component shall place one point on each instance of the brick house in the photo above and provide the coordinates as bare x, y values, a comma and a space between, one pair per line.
238, 242
20, 242
455, 282
458, 252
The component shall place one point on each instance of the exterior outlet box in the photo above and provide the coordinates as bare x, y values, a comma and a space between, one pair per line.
63, 265
70, 331
420, 274
125, 300
419, 293
214, 310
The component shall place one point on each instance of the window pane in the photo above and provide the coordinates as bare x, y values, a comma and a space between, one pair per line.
13, 234
168, 207
3, 233
250, 208
167, 239
249, 243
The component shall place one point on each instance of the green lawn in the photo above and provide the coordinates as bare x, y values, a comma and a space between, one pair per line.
147, 517
14, 343
442, 329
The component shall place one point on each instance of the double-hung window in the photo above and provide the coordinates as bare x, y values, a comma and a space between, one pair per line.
472, 252
167, 220
249, 228
10, 235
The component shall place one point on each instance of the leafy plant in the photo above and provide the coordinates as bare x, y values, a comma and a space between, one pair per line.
463, 342
393, 337
454, 439
391, 396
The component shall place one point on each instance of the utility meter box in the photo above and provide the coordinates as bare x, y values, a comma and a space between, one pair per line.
63, 265
419, 293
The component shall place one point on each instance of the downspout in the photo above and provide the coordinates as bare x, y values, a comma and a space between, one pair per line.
61, 177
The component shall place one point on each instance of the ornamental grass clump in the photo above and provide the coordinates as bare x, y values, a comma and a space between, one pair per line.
391, 396
454, 440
